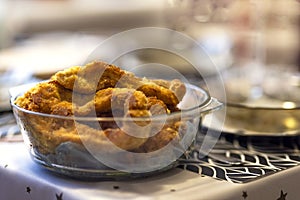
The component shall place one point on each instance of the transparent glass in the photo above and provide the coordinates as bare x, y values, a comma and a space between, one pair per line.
78, 146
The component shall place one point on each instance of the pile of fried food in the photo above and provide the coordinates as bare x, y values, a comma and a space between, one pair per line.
100, 90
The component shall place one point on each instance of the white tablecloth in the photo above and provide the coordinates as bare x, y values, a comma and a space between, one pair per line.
21, 178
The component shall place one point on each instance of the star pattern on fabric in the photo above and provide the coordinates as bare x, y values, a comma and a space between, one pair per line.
116, 187
59, 196
282, 196
28, 190
245, 195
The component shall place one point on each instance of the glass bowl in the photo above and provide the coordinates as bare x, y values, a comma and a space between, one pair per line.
113, 147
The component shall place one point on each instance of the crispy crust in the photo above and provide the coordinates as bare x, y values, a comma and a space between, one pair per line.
78, 91
97, 75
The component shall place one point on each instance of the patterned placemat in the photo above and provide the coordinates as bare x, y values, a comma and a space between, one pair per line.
237, 159
240, 159
9, 130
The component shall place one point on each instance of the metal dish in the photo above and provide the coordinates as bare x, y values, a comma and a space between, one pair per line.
270, 108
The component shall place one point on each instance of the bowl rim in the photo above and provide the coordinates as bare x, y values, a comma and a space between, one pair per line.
188, 113
253, 107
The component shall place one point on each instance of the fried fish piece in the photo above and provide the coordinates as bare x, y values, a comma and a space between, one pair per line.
46, 139
63, 108
92, 77
67, 77
172, 132
175, 86
114, 99
157, 107
43, 96
164, 94
99, 75
50, 98
158, 141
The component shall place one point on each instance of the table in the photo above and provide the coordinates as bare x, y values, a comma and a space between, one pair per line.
21, 178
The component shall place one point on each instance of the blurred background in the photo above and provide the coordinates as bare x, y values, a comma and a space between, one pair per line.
39, 37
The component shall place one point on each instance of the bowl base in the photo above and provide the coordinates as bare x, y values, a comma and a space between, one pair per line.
86, 174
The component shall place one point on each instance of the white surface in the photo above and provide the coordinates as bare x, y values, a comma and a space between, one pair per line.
34, 16
19, 172
48, 53
102, 16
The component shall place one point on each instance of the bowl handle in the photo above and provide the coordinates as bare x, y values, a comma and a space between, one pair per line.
212, 105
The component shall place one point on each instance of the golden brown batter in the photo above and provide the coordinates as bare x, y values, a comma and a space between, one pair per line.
116, 92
